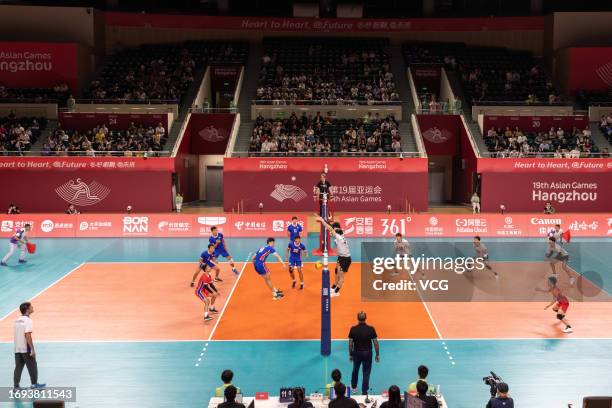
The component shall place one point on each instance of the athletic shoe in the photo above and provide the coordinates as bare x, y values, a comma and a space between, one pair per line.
22, 261
301, 286
3, 264
208, 318
354, 391
235, 271
277, 296
572, 280
213, 311
192, 284
218, 280
38, 385
568, 330
334, 294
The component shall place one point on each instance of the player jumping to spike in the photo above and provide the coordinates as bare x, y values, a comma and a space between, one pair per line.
560, 302
294, 229
556, 253
207, 293
483, 253
259, 261
295, 249
207, 261
221, 249
18, 240
344, 254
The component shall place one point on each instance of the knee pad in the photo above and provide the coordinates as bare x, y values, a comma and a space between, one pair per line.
560, 316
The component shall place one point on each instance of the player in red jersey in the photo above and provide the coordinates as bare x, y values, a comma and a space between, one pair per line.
206, 291
560, 302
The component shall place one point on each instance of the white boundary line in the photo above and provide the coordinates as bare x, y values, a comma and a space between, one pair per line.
45, 289
229, 297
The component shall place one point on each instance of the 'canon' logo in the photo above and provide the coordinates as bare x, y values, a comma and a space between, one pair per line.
545, 221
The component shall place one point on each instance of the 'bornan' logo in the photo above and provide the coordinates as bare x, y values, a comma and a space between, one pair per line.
605, 73
284, 192
81, 193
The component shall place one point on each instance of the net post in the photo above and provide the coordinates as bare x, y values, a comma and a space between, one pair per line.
325, 288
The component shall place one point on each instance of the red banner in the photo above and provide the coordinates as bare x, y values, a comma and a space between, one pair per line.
210, 132
304, 25
147, 225
567, 192
484, 225
531, 165
535, 123
440, 133
68, 164
357, 184
100, 190
38, 65
590, 69
114, 121
255, 225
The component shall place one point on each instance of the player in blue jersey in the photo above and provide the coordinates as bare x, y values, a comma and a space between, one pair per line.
295, 249
207, 261
221, 249
294, 229
259, 261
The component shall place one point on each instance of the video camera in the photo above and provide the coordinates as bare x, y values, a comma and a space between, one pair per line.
492, 381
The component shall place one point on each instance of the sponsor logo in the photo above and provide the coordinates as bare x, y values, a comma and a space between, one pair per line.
174, 226
604, 73
609, 225
545, 221
436, 135
136, 225
278, 225
7, 226
508, 220
213, 134
47, 226
433, 221
471, 225
212, 220
162, 225
80, 193
284, 192
83, 226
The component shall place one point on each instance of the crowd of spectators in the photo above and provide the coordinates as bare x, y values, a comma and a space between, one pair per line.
17, 135
557, 142
606, 126
160, 73
319, 135
137, 139
489, 74
57, 94
326, 72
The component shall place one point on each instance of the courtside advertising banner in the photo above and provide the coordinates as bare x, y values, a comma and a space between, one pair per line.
38, 65
358, 184
526, 185
372, 225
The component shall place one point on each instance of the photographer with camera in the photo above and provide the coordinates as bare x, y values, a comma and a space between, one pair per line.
501, 399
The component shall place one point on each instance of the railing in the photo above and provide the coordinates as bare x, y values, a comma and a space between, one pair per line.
95, 153
129, 101
284, 102
400, 155
519, 103
33, 100
541, 155
212, 110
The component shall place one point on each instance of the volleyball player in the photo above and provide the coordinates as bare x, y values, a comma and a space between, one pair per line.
344, 254
557, 234
17, 241
560, 302
207, 293
483, 253
259, 262
556, 253
295, 249
218, 241
294, 229
207, 260
403, 249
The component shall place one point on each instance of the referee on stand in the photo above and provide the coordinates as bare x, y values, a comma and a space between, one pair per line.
324, 189
361, 338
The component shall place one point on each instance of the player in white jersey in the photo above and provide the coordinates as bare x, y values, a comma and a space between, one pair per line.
344, 254
402, 248
18, 240
556, 253
483, 253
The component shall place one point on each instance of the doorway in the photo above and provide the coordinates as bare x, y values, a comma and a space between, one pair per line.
214, 185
